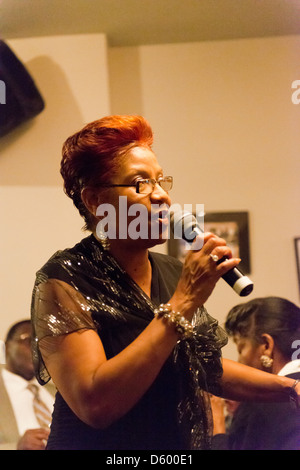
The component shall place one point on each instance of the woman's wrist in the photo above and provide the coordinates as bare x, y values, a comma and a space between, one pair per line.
175, 319
290, 390
294, 394
184, 305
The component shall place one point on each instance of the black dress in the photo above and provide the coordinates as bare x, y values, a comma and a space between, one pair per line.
107, 300
262, 426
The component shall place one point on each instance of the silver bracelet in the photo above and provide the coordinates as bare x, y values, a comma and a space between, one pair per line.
182, 326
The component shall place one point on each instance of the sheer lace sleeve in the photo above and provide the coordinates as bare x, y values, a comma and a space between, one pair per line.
57, 309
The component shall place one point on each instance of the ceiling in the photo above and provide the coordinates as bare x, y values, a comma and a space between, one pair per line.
140, 22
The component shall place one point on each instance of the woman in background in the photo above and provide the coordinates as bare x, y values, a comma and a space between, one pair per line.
267, 335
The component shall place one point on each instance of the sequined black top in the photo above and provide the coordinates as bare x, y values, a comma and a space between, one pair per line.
174, 412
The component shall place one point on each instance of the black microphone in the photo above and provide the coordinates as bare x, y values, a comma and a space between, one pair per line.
185, 225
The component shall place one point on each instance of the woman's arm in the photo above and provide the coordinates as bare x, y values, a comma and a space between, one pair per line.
243, 383
100, 391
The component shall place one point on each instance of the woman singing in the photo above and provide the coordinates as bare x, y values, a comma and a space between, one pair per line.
122, 331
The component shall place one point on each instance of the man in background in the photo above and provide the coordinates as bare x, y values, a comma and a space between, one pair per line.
25, 406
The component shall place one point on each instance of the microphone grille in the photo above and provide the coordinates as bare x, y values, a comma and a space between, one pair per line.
184, 225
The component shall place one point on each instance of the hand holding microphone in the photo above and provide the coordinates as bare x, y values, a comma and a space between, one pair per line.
186, 224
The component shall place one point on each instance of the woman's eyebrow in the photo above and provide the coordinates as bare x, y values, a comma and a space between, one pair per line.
142, 172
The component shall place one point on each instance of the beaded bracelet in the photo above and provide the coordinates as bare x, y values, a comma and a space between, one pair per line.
182, 326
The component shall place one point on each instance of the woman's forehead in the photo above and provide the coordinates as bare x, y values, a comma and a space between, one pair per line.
140, 159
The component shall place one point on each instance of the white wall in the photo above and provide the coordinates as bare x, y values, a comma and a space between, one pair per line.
37, 218
227, 130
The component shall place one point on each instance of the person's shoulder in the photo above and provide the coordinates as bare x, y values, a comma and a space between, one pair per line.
61, 259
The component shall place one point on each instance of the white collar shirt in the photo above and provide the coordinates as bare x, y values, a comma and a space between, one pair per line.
22, 400
290, 368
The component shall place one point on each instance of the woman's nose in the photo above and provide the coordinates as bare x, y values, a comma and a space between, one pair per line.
159, 193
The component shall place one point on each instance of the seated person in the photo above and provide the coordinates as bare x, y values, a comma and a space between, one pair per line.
21, 428
265, 331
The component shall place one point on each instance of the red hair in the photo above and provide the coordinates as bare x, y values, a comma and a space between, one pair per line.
92, 155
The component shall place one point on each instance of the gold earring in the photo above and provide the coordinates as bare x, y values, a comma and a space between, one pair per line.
266, 361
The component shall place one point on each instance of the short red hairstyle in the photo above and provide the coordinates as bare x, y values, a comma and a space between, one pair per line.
92, 155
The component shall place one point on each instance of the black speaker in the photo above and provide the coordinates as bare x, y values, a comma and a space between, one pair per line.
20, 99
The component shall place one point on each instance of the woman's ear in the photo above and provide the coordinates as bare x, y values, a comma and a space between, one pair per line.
91, 199
267, 344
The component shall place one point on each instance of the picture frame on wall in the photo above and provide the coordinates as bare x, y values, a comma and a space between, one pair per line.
232, 226
297, 253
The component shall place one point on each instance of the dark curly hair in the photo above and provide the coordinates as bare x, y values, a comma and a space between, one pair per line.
92, 155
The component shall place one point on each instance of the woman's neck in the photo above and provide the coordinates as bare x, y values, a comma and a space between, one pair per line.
135, 262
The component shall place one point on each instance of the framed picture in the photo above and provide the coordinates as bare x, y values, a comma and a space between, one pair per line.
232, 226
297, 250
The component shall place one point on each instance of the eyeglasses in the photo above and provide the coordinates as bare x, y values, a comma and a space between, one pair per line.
146, 186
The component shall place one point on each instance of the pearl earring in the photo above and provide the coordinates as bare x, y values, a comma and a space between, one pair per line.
266, 361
